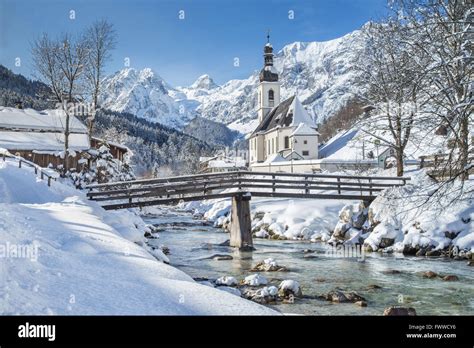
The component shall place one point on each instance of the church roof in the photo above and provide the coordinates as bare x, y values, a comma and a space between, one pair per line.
287, 114
304, 129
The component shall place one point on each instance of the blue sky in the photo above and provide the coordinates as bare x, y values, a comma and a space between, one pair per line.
207, 40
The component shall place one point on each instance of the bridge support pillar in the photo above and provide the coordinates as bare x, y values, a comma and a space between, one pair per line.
240, 223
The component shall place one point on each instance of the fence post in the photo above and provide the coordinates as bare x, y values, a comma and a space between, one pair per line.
306, 191
339, 185
273, 183
19, 164
41, 175
370, 187
422, 162
49, 181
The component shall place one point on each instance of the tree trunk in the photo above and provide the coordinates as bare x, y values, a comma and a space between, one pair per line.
66, 144
399, 156
464, 148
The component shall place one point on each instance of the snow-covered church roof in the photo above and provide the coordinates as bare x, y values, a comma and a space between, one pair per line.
304, 129
289, 113
28, 129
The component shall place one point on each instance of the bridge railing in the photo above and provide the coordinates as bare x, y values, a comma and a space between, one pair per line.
206, 186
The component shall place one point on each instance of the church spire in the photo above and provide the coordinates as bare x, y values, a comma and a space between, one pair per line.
268, 72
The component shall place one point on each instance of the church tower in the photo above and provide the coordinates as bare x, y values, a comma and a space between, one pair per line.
269, 87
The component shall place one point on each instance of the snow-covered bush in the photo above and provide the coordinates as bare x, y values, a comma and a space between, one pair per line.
101, 167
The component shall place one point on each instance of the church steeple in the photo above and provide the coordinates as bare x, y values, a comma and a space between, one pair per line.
268, 73
269, 87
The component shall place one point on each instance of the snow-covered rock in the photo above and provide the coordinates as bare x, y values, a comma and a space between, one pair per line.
289, 287
226, 280
268, 265
255, 280
418, 225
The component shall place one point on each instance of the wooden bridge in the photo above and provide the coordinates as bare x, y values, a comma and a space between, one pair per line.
240, 187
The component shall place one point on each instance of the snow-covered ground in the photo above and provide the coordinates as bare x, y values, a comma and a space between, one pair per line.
63, 254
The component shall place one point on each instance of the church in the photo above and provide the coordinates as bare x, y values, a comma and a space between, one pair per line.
286, 132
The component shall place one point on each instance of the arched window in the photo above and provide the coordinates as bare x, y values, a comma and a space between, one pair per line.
271, 98
271, 95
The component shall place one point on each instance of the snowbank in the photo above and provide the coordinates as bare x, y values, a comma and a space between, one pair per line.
277, 218
79, 259
426, 216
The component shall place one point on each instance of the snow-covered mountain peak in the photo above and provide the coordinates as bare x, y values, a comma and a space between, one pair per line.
204, 82
145, 94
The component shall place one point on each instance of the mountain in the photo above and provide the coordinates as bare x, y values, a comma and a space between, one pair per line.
204, 82
15, 88
211, 132
320, 73
145, 94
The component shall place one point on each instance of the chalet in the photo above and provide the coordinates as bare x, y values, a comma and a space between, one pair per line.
285, 131
38, 136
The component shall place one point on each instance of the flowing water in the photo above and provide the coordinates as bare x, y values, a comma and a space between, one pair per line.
192, 242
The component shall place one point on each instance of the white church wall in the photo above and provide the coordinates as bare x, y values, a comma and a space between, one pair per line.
307, 143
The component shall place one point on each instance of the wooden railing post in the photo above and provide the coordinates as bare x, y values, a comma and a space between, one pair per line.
273, 183
370, 187
19, 164
339, 185
306, 185
49, 181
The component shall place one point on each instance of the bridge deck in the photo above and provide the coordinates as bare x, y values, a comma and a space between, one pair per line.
148, 192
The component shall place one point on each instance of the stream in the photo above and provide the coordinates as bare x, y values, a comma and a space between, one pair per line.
192, 242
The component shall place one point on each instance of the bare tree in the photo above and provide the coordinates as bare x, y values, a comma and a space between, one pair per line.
391, 83
60, 64
101, 40
445, 31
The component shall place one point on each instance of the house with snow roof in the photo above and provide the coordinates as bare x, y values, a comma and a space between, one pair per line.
286, 132
38, 136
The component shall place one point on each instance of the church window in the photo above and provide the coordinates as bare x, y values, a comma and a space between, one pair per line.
305, 142
271, 98
306, 153
287, 142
